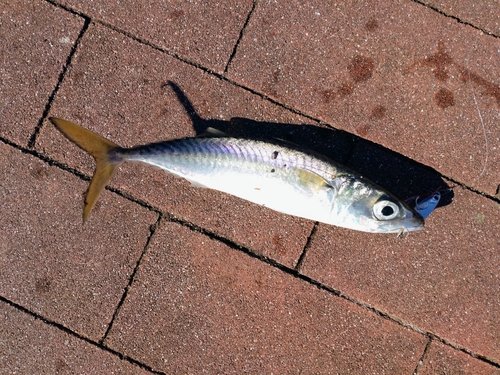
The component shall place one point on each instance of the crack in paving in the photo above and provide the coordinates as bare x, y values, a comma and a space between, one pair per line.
306, 247
462, 349
48, 105
152, 230
424, 355
242, 32
458, 19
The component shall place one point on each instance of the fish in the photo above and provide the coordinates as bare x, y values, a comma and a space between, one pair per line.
273, 173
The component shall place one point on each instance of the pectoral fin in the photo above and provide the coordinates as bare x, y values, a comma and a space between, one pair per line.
312, 180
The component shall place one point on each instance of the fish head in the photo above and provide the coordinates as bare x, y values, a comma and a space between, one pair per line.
368, 207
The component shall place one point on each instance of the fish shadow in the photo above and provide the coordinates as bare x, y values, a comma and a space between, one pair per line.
398, 174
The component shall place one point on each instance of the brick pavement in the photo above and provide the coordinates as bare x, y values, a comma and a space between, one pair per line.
166, 278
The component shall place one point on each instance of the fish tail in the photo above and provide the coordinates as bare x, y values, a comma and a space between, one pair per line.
100, 149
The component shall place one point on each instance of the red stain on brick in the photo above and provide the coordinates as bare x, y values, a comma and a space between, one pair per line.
43, 285
371, 25
40, 173
61, 366
278, 244
78, 76
175, 15
270, 86
345, 89
378, 112
363, 130
490, 89
328, 96
438, 62
361, 68
444, 98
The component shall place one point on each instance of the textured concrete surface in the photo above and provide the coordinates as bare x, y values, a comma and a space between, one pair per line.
67, 272
449, 291
167, 278
480, 13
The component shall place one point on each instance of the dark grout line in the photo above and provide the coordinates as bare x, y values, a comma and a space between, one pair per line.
306, 247
242, 32
464, 350
442, 13
68, 331
68, 9
424, 355
472, 189
32, 141
152, 232
46, 159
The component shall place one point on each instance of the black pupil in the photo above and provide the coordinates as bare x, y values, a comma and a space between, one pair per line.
387, 211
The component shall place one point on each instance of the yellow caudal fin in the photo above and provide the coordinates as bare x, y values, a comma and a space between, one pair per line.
99, 148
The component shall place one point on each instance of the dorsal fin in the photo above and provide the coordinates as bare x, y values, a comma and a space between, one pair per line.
287, 142
212, 132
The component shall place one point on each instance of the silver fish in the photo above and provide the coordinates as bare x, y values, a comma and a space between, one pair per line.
273, 174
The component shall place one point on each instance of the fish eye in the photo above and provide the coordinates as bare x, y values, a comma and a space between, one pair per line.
385, 210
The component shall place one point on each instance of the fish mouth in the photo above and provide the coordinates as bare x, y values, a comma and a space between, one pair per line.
413, 221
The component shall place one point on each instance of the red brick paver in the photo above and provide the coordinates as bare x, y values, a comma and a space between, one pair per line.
224, 312
480, 13
166, 278
34, 52
30, 346
204, 32
421, 280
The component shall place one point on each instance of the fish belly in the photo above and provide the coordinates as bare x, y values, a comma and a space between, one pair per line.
280, 189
